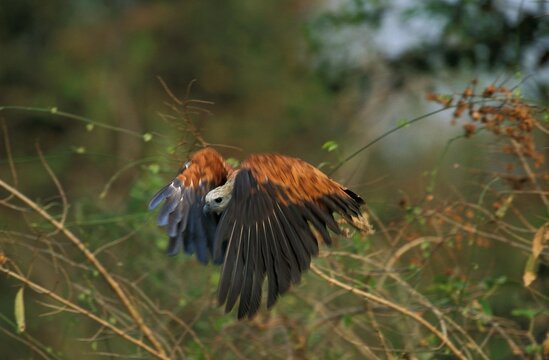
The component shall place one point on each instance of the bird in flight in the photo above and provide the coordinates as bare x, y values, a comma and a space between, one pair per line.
263, 219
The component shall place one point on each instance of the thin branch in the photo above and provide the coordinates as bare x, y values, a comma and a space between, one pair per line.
384, 135
41, 290
185, 106
9, 154
13, 170
530, 173
344, 333
54, 111
119, 172
95, 262
402, 250
169, 91
27, 343
57, 185
391, 305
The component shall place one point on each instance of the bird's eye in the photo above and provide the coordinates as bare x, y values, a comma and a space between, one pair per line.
218, 200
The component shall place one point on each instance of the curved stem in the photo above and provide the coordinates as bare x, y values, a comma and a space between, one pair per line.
96, 263
384, 135
391, 305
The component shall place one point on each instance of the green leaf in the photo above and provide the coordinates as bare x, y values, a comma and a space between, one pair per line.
154, 168
220, 322
330, 146
79, 149
500, 280
500, 213
425, 245
147, 137
182, 302
20, 311
534, 349
530, 271
486, 308
527, 313
233, 162
402, 123
347, 320
538, 243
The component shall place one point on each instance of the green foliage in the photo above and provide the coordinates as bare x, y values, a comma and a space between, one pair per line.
235, 163
147, 137
330, 146
455, 224
20, 311
530, 314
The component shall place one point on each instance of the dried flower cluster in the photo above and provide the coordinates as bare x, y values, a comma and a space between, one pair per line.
500, 111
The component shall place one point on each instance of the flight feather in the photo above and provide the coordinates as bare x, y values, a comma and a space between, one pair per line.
263, 221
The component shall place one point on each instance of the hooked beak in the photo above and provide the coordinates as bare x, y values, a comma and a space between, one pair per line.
206, 209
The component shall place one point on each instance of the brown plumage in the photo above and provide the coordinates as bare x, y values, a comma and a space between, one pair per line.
261, 220
182, 213
205, 165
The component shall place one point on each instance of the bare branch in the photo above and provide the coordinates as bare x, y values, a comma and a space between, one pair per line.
95, 262
391, 305
41, 290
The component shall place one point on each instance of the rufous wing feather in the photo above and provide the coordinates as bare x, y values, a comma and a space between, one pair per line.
268, 229
188, 227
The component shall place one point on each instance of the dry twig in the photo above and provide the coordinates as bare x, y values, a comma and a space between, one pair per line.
96, 263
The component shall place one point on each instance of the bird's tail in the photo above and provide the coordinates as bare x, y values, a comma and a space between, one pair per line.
362, 223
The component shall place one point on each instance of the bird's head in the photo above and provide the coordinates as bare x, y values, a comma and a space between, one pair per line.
217, 200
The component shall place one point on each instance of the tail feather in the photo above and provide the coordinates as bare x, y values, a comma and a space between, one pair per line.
354, 196
362, 222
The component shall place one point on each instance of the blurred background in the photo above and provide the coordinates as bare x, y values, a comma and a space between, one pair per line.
91, 86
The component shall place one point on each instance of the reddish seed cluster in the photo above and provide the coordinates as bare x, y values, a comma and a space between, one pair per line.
501, 112
466, 230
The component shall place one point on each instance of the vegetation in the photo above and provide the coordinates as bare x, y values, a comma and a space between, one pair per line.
456, 183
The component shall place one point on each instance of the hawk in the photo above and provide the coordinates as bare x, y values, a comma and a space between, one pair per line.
261, 220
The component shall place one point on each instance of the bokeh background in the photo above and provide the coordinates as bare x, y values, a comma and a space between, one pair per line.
81, 83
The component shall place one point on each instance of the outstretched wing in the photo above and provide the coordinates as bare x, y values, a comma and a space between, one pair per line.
187, 226
279, 205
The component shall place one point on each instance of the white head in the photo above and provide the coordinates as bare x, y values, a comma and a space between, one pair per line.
218, 199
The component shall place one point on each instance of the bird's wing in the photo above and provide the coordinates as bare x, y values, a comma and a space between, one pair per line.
187, 226
278, 208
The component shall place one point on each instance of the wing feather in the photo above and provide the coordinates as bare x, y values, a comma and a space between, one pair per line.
228, 266
175, 244
259, 272
278, 275
324, 217
249, 270
292, 244
282, 236
188, 228
278, 206
319, 225
235, 280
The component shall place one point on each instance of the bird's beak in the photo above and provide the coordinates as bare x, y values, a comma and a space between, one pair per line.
206, 209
